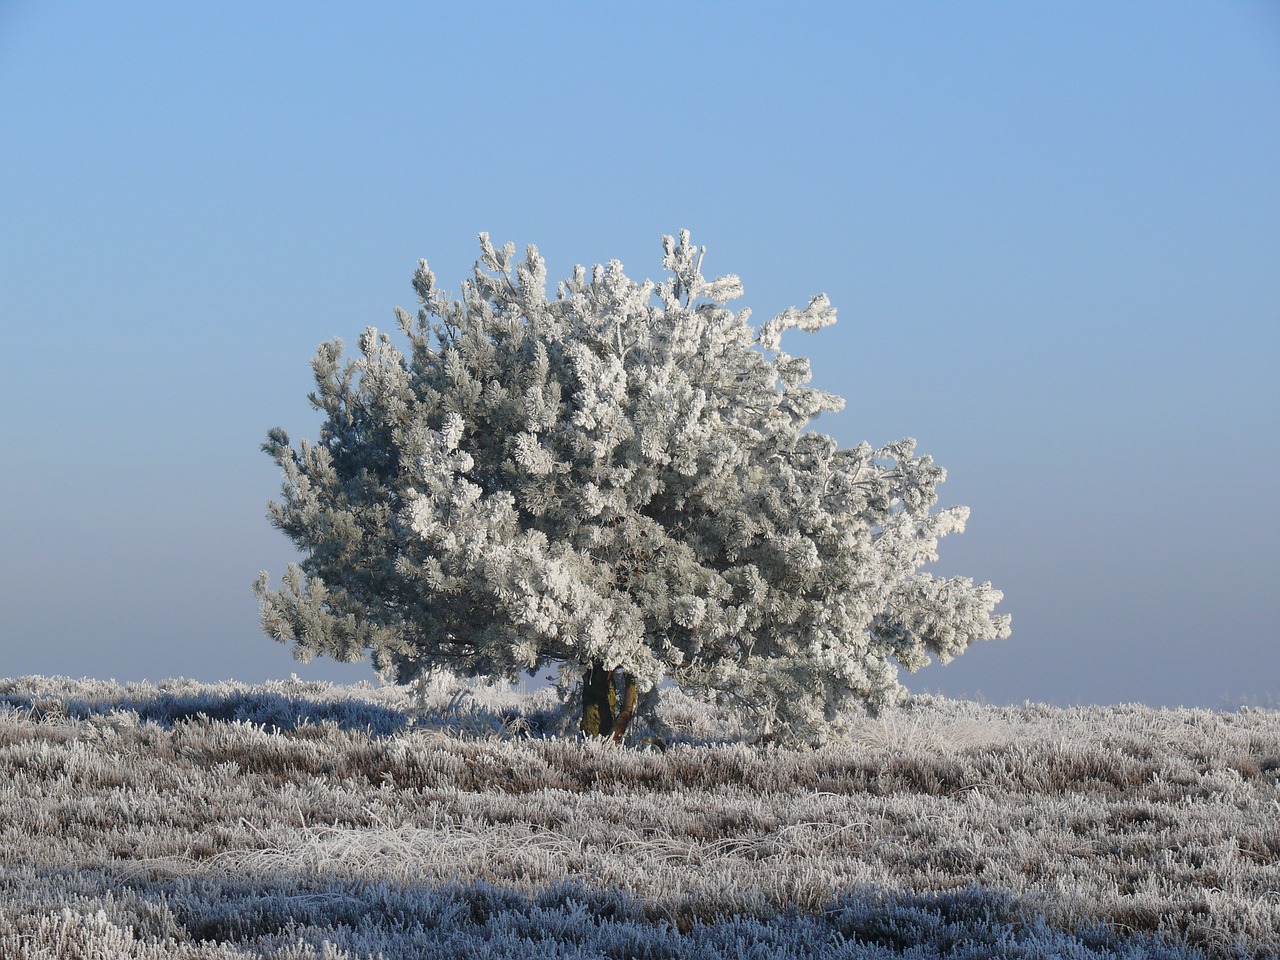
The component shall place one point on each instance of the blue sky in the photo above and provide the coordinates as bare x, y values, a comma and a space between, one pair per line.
1052, 232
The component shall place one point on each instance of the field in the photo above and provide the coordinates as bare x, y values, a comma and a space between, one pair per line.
297, 820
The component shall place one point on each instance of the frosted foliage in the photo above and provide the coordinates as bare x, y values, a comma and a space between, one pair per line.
622, 475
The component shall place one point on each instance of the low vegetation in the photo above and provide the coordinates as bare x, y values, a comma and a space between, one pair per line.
296, 820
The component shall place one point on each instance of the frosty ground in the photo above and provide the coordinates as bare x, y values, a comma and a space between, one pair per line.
301, 820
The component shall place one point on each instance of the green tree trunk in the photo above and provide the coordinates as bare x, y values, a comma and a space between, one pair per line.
598, 700
606, 710
630, 694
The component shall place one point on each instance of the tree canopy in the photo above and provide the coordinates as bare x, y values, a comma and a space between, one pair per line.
621, 479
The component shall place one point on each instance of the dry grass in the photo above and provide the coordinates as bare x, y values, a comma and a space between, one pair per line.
291, 819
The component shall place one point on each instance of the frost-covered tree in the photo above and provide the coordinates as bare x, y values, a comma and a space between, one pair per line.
620, 480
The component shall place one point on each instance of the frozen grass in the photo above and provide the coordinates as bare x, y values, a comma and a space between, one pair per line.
299, 820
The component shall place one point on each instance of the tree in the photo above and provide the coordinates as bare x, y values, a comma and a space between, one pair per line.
621, 480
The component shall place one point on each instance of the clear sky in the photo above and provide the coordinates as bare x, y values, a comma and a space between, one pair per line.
1052, 232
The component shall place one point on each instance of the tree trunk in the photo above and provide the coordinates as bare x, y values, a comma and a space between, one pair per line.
630, 694
598, 700
602, 713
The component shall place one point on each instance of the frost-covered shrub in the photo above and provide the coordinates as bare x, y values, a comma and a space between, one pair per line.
621, 480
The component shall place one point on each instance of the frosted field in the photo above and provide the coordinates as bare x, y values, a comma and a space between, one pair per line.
300, 820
